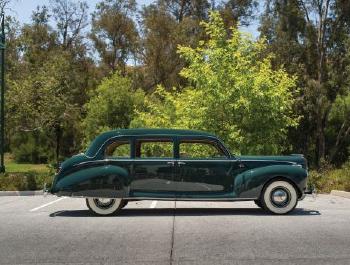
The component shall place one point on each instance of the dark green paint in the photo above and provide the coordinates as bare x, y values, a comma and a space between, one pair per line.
232, 177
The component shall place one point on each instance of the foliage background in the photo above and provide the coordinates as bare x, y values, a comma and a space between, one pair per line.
181, 64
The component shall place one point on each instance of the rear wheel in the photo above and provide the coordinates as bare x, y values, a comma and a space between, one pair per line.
279, 197
104, 206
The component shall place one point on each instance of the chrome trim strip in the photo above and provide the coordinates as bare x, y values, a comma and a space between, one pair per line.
157, 160
266, 160
173, 199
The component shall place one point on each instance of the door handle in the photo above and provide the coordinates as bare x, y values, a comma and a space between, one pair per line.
181, 163
172, 163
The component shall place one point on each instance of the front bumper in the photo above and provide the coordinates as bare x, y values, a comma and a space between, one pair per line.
308, 190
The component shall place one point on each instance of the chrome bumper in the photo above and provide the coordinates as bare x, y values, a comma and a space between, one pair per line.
312, 191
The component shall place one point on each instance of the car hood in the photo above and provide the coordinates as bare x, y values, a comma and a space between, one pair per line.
255, 161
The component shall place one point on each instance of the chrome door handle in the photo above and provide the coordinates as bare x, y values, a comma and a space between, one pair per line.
172, 163
181, 163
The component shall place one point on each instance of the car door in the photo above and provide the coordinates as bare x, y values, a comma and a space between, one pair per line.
154, 167
116, 152
203, 168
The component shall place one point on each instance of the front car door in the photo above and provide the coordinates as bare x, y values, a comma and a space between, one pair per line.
205, 168
153, 167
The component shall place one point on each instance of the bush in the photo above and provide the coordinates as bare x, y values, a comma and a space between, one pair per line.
329, 178
25, 181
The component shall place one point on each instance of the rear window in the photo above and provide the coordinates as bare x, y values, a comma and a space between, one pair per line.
118, 149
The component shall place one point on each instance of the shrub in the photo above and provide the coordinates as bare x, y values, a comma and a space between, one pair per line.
25, 181
329, 178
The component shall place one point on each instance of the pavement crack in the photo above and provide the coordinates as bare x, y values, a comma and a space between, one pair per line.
172, 237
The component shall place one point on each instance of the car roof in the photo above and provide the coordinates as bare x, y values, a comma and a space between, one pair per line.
102, 138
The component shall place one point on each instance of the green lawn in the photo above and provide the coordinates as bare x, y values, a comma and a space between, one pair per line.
13, 167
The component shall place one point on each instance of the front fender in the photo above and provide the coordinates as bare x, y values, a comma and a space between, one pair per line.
252, 182
100, 181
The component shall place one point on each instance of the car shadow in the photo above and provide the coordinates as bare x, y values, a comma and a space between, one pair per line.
186, 212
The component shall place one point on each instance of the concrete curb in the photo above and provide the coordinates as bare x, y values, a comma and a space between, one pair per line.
22, 193
341, 193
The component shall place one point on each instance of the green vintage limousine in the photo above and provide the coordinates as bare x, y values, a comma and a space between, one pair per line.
168, 164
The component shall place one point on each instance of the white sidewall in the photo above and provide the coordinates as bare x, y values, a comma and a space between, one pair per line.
107, 211
293, 199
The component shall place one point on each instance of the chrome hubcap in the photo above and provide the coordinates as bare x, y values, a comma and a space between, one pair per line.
280, 197
104, 203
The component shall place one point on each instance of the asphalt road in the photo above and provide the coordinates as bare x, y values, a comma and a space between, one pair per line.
156, 232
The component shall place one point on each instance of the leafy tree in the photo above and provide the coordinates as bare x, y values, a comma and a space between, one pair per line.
309, 38
339, 129
166, 24
114, 32
234, 94
45, 99
161, 34
236, 12
111, 106
71, 18
42, 102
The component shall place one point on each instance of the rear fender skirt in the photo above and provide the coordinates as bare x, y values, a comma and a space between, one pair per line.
100, 181
251, 183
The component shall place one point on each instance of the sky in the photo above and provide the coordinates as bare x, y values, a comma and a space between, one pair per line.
22, 10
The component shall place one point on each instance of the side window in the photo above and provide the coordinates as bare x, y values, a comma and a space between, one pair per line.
118, 149
157, 148
197, 149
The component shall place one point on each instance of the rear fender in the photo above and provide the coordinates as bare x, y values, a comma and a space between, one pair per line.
101, 181
250, 184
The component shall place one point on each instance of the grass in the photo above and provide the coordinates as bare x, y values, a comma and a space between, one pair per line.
22, 168
12, 167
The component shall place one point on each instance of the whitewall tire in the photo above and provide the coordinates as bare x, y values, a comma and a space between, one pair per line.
103, 206
279, 197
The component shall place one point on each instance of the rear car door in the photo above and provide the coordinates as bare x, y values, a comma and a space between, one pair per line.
203, 168
153, 167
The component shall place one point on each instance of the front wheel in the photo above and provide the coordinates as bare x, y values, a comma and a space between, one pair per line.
279, 197
104, 206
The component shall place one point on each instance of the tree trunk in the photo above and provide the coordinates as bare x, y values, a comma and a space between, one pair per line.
58, 140
322, 109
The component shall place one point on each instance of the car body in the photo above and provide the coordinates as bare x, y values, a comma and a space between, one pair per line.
171, 164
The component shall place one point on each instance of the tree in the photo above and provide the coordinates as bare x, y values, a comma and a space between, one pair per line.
41, 101
236, 12
166, 24
161, 34
234, 94
114, 33
309, 37
111, 106
45, 99
71, 19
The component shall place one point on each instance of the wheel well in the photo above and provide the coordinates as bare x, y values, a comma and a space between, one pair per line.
284, 179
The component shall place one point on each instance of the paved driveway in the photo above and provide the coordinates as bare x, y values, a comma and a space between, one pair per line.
51, 230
